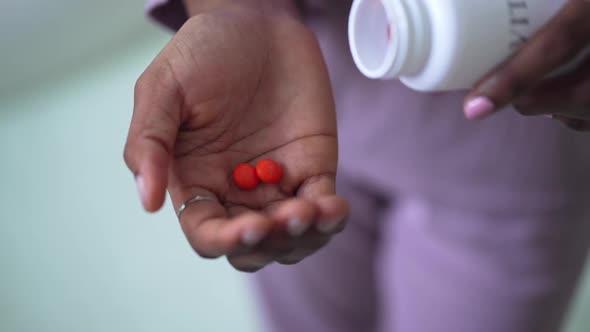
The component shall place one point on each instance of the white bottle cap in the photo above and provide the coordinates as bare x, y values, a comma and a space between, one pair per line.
382, 36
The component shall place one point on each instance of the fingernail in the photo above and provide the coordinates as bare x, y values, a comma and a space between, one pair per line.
479, 108
296, 227
140, 188
252, 237
328, 226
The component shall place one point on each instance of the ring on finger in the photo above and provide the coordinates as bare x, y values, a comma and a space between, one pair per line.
192, 200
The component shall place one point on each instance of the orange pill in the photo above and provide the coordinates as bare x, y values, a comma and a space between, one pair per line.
245, 177
269, 171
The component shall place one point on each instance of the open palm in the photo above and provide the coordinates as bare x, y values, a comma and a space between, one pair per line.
234, 87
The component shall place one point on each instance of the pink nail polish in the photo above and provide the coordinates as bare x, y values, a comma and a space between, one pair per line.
479, 108
140, 188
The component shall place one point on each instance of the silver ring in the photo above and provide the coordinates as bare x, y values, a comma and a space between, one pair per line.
194, 199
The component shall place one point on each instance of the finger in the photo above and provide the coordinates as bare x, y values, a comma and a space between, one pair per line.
277, 241
557, 43
212, 234
287, 248
215, 237
250, 262
281, 248
317, 186
577, 125
333, 214
567, 95
574, 124
295, 216
305, 246
291, 240
332, 209
153, 131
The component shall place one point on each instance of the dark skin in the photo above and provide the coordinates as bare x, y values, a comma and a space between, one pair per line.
521, 80
241, 81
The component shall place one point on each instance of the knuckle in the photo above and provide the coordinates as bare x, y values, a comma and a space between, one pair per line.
159, 74
127, 157
201, 21
142, 83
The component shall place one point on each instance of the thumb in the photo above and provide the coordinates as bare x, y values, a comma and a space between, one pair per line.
152, 134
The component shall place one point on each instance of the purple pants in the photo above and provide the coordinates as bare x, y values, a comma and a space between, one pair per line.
407, 264
456, 226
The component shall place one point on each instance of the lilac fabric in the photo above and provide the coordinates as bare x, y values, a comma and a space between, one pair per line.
171, 14
458, 225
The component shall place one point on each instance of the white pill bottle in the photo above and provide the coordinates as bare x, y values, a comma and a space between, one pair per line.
438, 45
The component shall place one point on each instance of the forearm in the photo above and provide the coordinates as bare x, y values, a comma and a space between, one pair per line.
288, 7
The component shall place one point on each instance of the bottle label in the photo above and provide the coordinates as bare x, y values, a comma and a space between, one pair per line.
520, 22
527, 16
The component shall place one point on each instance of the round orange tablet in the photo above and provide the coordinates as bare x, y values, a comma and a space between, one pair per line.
269, 171
245, 177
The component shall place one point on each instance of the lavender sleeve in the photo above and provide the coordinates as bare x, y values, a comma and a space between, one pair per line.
172, 14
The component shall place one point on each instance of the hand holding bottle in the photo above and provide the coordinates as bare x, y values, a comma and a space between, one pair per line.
523, 79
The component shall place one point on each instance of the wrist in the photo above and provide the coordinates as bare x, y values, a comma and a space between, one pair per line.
271, 7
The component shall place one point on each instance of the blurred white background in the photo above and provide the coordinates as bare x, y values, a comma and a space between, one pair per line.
47, 39
76, 251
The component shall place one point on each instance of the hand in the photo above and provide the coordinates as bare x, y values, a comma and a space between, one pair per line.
522, 80
234, 86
